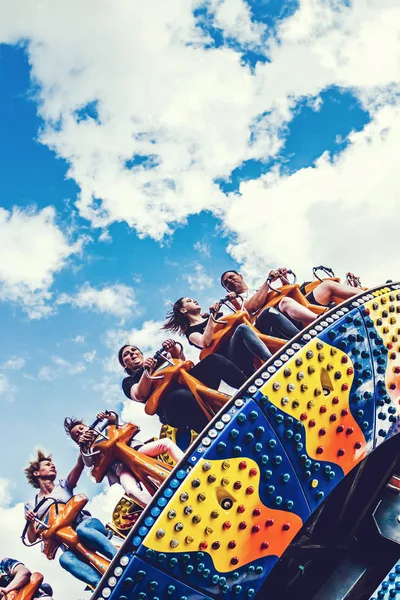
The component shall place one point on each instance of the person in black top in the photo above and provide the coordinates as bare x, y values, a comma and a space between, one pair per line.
187, 319
178, 407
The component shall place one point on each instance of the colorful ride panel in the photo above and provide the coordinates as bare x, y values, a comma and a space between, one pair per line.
270, 457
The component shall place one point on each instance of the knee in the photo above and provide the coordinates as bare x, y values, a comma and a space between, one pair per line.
241, 330
285, 304
66, 559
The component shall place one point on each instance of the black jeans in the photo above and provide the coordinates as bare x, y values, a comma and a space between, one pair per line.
179, 408
274, 323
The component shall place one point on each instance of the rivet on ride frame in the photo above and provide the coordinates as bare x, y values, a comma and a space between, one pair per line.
253, 472
300, 375
335, 400
208, 530
320, 450
201, 497
211, 478
232, 544
304, 387
160, 533
286, 526
333, 351
174, 543
227, 525
291, 387
188, 510
345, 387
295, 404
241, 508
299, 362
317, 392
276, 386
214, 514
178, 527
206, 466
287, 372
196, 518
224, 481
264, 545
242, 525
269, 522
309, 354
203, 545
285, 401
341, 452
171, 514
311, 370
249, 490
234, 560
184, 497
314, 483
340, 429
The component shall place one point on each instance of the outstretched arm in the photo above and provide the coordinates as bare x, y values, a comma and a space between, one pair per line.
75, 473
141, 390
22, 576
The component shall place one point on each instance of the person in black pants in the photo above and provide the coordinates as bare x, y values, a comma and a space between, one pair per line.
187, 318
178, 407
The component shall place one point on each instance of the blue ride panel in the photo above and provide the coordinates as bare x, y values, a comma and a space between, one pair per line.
142, 581
389, 588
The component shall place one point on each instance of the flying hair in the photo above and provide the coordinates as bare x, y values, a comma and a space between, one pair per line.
34, 465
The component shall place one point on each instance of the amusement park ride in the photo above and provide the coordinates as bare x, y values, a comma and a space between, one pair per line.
292, 491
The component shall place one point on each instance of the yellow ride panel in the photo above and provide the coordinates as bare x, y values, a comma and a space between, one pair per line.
314, 387
198, 518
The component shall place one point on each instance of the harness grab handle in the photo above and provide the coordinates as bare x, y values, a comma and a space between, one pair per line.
327, 270
282, 276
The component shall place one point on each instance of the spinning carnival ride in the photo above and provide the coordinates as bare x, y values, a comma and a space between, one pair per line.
293, 489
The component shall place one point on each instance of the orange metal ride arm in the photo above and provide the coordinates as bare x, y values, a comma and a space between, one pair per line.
28, 591
149, 471
60, 531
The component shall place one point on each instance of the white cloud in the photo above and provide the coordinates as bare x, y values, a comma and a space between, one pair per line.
203, 248
15, 363
6, 487
89, 356
118, 300
7, 389
199, 112
60, 368
198, 279
35, 249
79, 339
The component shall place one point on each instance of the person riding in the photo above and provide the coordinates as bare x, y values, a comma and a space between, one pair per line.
83, 435
41, 474
254, 300
270, 321
187, 318
14, 576
178, 407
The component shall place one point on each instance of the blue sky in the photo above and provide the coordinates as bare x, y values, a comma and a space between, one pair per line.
261, 119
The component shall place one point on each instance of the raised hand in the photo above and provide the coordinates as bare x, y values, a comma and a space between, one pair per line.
168, 345
150, 364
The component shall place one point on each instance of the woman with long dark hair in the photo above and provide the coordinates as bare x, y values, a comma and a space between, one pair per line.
187, 318
178, 408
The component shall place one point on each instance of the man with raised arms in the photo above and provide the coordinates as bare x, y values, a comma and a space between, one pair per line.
279, 322
42, 474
